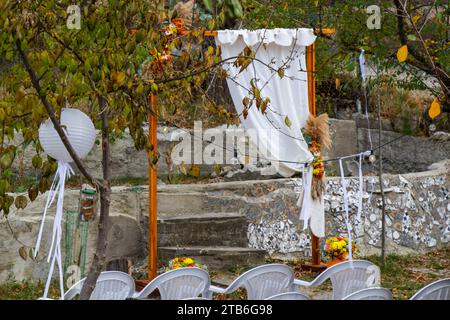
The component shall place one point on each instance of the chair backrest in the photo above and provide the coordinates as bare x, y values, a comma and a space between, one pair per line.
370, 294
350, 276
289, 296
179, 284
111, 285
265, 281
438, 290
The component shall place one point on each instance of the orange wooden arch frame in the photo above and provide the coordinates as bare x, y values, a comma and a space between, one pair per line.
153, 170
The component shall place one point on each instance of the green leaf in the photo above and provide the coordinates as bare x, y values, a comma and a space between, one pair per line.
21, 202
4, 186
7, 202
30, 254
44, 184
246, 101
37, 161
118, 77
208, 5
154, 87
287, 121
140, 88
5, 161
7, 173
140, 36
33, 193
235, 8
256, 92
23, 253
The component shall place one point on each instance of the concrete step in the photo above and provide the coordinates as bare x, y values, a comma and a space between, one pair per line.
220, 229
179, 204
216, 258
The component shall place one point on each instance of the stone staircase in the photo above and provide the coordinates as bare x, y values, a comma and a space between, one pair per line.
206, 228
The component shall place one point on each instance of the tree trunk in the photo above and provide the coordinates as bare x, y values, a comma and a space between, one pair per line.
98, 264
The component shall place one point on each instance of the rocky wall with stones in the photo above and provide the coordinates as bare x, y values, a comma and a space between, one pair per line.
417, 209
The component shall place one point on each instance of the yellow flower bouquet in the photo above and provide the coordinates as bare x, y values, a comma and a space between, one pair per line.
184, 262
337, 247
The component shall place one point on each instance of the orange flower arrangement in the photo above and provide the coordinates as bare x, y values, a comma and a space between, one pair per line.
337, 247
184, 262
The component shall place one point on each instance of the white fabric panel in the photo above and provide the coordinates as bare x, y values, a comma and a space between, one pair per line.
288, 95
282, 37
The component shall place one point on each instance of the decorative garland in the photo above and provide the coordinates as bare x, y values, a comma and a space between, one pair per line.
317, 135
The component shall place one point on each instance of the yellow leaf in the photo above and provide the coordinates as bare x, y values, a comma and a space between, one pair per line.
338, 83
182, 168
194, 171
402, 53
435, 109
416, 18
118, 77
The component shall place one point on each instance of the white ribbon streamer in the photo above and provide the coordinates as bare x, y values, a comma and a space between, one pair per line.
362, 65
305, 212
360, 191
63, 173
347, 218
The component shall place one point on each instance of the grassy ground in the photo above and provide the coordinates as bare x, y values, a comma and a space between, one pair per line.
403, 275
26, 290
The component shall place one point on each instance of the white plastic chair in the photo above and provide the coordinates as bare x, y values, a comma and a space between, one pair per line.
178, 284
438, 290
111, 285
261, 282
370, 294
347, 277
289, 296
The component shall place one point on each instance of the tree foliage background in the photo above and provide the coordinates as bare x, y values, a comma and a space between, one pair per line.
421, 25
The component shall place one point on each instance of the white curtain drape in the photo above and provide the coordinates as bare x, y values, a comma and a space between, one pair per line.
288, 95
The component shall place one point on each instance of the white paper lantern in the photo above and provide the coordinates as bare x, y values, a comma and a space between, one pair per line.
79, 130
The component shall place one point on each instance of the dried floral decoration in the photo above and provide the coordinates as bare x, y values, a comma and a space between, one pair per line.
317, 134
185, 11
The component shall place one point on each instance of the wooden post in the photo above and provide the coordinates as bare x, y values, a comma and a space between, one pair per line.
316, 265
311, 69
152, 191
